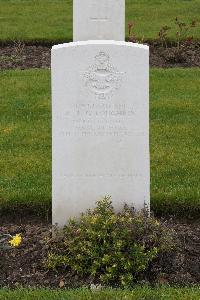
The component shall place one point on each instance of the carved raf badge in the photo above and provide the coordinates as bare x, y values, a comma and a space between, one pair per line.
102, 78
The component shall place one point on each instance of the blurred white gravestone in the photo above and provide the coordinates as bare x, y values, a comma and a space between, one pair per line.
98, 20
100, 112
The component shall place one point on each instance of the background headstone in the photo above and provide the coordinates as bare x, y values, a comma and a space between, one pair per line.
98, 20
100, 95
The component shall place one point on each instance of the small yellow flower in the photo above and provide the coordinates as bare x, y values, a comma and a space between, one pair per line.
16, 240
157, 223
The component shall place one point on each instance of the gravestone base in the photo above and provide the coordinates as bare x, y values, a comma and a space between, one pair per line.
100, 112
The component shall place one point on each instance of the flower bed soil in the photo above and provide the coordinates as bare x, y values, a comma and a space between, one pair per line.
23, 266
24, 56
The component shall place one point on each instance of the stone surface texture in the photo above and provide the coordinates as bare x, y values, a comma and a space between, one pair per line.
100, 105
98, 20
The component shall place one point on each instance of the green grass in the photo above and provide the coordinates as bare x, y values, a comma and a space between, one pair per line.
85, 294
25, 127
175, 141
52, 19
25, 161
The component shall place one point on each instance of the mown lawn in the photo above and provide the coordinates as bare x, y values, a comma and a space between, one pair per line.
52, 19
25, 161
25, 142
85, 294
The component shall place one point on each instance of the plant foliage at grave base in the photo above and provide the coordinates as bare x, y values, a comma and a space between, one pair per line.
111, 248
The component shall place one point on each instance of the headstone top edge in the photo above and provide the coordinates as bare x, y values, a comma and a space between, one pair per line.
100, 42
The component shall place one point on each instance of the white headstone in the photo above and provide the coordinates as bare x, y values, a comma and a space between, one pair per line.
98, 20
100, 126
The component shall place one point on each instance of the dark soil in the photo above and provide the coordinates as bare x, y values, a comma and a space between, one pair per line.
23, 266
24, 56
186, 57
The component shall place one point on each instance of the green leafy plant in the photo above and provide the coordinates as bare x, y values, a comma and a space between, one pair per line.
163, 35
182, 38
183, 33
132, 36
113, 248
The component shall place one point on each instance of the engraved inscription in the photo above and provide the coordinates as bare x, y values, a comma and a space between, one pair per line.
102, 79
102, 176
99, 119
99, 10
99, 19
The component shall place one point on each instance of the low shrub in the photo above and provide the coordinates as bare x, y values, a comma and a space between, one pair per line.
114, 248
